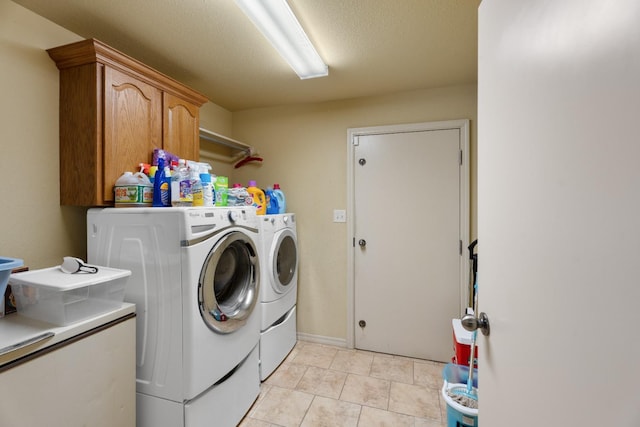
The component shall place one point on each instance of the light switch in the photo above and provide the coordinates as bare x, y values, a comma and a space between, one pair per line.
339, 215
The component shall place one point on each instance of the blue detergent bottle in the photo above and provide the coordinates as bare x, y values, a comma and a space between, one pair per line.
273, 206
162, 186
282, 203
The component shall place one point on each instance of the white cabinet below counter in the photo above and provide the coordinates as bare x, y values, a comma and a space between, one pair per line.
83, 375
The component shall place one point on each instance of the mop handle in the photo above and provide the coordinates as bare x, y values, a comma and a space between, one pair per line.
471, 358
473, 341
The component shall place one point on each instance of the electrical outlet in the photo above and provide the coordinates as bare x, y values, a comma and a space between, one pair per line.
339, 215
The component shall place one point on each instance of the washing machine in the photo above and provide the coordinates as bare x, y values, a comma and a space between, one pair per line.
195, 281
278, 289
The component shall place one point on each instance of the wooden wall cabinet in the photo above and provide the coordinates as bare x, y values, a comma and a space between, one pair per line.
114, 111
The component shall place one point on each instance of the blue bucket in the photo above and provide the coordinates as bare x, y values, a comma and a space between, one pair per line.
458, 415
6, 265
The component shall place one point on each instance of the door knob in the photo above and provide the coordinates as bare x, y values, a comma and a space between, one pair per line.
362, 243
471, 323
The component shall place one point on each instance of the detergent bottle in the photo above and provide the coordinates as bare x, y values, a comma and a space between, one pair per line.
272, 201
257, 198
133, 189
162, 186
282, 202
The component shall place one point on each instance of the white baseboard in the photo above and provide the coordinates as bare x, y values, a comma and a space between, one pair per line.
319, 339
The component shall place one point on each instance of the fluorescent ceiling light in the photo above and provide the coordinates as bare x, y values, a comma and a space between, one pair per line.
276, 21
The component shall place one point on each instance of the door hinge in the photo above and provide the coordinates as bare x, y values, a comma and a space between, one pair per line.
356, 141
461, 157
460, 247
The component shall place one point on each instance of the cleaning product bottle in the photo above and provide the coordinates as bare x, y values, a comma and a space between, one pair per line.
165, 187
272, 201
181, 186
282, 202
131, 190
257, 198
156, 180
175, 185
145, 186
125, 191
208, 197
196, 185
162, 186
221, 188
145, 168
150, 171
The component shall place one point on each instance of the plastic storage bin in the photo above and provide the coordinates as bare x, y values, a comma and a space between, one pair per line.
56, 297
458, 415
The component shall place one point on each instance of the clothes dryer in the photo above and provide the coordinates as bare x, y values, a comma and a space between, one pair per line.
195, 282
278, 290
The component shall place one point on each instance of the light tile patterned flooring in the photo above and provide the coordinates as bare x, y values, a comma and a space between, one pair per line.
320, 385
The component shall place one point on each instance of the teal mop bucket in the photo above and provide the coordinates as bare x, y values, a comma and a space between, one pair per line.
6, 265
457, 414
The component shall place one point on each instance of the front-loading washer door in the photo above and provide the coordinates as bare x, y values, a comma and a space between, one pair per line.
285, 261
228, 284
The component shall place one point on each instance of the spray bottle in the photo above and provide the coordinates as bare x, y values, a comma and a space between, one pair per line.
208, 195
196, 185
145, 168
181, 185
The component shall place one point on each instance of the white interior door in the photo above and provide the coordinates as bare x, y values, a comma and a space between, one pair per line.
407, 223
559, 212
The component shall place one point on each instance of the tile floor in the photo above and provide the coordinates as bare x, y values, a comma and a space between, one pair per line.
320, 385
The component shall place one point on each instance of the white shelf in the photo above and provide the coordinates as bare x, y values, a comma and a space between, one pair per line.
223, 140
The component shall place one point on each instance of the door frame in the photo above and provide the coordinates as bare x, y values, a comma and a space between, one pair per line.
352, 135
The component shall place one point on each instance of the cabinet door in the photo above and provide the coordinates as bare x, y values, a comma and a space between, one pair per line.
181, 127
88, 382
132, 125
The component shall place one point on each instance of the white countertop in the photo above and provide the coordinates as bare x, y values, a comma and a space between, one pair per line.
15, 328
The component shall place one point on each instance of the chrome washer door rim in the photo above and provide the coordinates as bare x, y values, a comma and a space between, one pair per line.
285, 261
228, 284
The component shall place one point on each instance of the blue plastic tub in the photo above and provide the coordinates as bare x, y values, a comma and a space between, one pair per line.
6, 265
458, 415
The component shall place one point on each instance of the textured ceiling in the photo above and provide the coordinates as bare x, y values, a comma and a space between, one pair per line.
372, 47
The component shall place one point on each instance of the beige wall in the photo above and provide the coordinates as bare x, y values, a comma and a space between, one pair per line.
305, 150
33, 225
218, 120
